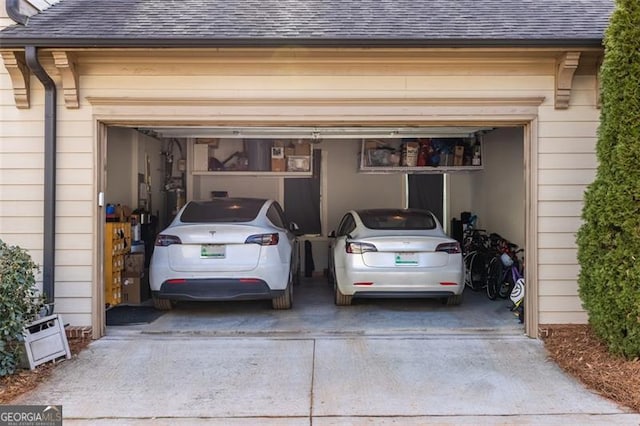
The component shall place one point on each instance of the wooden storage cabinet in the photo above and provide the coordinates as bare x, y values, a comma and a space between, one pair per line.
117, 243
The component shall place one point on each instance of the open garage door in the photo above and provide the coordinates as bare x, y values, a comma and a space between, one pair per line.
477, 170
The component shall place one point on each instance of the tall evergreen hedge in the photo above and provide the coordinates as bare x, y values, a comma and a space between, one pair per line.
609, 239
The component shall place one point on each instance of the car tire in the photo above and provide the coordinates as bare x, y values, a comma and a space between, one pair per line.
454, 300
162, 304
341, 299
286, 300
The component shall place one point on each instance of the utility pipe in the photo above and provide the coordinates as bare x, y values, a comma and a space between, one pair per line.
49, 246
13, 10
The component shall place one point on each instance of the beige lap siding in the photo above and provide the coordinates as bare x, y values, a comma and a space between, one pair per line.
567, 164
22, 193
562, 175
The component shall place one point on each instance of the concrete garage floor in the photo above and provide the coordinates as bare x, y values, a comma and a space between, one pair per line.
375, 363
314, 313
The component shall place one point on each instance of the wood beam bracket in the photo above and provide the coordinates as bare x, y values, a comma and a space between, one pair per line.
565, 68
65, 63
19, 73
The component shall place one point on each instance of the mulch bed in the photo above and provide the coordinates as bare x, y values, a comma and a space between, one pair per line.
25, 380
577, 350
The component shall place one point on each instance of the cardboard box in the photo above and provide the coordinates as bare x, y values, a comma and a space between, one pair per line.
277, 159
134, 264
299, 163
131, 289
277, 164
302, 148
371, 144
458, 155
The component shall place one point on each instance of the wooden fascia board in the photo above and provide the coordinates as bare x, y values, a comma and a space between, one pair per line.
434, 101
16, 66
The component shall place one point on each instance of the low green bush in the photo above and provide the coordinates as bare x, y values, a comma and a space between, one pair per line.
19, 303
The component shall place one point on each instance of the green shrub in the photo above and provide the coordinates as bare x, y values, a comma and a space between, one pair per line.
609, 239
19, 303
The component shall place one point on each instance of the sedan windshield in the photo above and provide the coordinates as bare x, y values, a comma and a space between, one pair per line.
397, 219
222, 210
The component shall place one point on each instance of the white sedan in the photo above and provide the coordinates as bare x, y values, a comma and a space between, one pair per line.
226, 249
394, 253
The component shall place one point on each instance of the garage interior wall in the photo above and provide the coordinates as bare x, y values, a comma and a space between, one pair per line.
127, 153
122, 167
499, 192
496, 194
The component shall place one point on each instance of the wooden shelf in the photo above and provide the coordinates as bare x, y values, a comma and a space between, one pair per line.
117, 243
418, 170
381, 156
278, 158
253, 173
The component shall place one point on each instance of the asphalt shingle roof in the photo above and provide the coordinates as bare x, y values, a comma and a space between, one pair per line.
315, 22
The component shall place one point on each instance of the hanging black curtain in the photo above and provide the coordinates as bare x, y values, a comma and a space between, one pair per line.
426, 192
302, 199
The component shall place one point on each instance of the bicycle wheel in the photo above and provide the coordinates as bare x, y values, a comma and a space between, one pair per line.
505, 287
478, 271
494, 278
467, 269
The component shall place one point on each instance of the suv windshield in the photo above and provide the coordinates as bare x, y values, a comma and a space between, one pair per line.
222, 210
397, 219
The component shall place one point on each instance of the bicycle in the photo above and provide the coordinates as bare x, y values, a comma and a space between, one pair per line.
476, 249
517, 298
504, 271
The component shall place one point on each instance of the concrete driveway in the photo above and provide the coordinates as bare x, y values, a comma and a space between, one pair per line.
373, 363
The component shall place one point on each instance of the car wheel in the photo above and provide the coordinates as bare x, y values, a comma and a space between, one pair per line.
286, 300
340, 299
162, 304
454, 300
